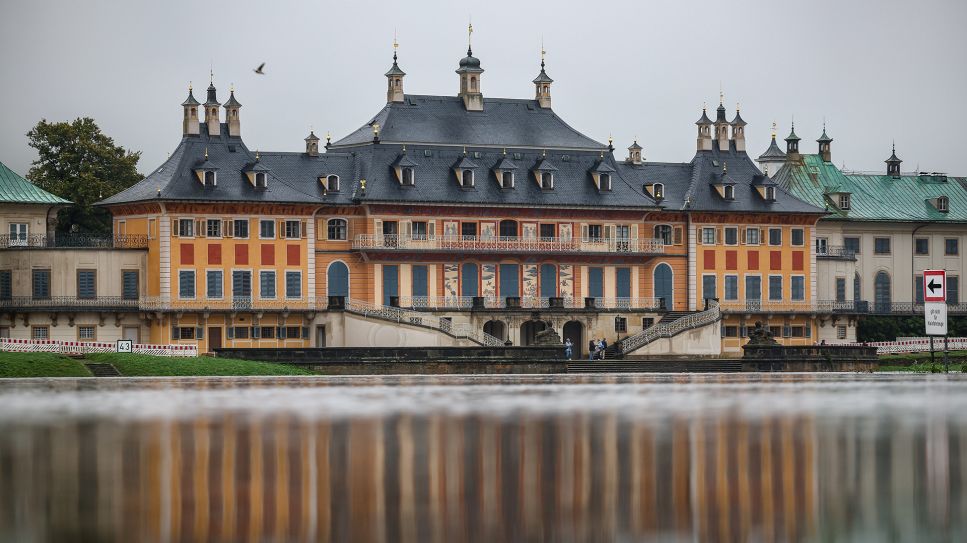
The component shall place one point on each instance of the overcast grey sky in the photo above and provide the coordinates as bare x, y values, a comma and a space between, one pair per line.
876, 70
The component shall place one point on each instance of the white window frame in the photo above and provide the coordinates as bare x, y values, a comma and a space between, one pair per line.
551, 178
758, 237
19, 237
194, 281
792, 295
706, 229
191, 228
329, 183
248, 228
263, 221
512, 180
264, 180
286, 285
275, 283
658, 191
473, 180
605, 182
792, 239
346, 228
208, 223
769, 233
298, 226
403, 177
221, 273
771, 194
93, 328
844, 201
725, 288
729, 192
769, 287
943, 204
822, 245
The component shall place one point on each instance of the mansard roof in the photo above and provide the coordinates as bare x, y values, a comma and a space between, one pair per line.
504, 122
16, 189
875, 197
293, 177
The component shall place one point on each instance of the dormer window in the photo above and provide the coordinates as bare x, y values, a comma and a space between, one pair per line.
844, 201
729, 193
332, 183
771, 194
261, 180
605, 181
658, 189
507, 180
943, 204
547, 181
466, 179
408, 177
210, 180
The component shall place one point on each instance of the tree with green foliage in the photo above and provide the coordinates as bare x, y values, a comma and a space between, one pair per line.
888, 328
80, 163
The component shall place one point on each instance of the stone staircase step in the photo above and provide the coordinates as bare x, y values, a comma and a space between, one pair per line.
656, 366
99, 369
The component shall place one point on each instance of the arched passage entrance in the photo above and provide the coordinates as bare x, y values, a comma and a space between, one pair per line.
575, 331
496, 328
529, 331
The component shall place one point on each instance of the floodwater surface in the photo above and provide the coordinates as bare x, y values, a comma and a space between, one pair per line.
749, 457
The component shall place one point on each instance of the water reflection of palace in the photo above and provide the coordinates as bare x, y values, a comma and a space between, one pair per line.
567, 477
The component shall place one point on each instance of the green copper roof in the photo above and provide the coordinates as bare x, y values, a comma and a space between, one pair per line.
874, 197
16, 189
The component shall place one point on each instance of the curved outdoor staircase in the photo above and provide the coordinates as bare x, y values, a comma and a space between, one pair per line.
671, 324
423, 320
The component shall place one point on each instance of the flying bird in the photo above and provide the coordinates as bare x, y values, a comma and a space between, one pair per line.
259, 69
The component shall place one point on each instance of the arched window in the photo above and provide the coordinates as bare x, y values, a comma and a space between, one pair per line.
467, 178
547, 180
507, 180
664, 284
659, 191
337, 280
771, 194
605, 181
408, 178
882, 296
508, 229
260, 180
729, 192
337, 229
664, 233
473, 83
210, 179
943, 204
332, 183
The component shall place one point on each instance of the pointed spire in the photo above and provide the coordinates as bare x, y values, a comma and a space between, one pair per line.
469, 38
824, 138
395, 68
190, 101
792, 132
738, 121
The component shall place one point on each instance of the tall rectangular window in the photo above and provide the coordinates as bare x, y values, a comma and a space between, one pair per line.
40, 284
213, 228
731, 287
731, 235
267, 284
798, 237
419, 230
953, 289
186, 228
129, 284
6, 284
753, 288
468, 229
267, 229
86, 284
918, 288
775, 236
595, 282
852, 244
921, 246
798, 288
186, 284
214, 284
951, 246
840, 289
18, 234
775, 287
708, 287
548, 231
881, 246
293, 229
708, 236
241, 284
293, 284
752, 236
240, 228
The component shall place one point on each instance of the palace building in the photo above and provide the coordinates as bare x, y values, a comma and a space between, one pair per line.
464, 220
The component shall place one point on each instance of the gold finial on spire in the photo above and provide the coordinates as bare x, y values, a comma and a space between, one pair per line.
737, 108
610, 139
469, 33
189, 86
773, 129
231, 88
258, 156
505, 151
206, 153
704, 106
543, 52
211, 74
396, 44
725, 167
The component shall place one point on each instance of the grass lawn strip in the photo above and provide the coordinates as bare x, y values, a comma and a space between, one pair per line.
40, 365
142, 365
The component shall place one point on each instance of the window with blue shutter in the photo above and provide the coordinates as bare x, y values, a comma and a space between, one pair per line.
293, 284
775, 287
267, 284
241, 284
6, 284
753, 288
337, 283
469, 283
129, 284
664, 284
596, 282
419, 277
548, 280
798, 288
708, 287
214, 282
509, 280
86, 284
391, 277
623, 282
731, 287
186, 284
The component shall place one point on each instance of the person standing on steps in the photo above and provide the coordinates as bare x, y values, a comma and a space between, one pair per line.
568, 348
592, 348
604, 348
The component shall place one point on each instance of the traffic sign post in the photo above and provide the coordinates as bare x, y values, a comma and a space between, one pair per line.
935, 307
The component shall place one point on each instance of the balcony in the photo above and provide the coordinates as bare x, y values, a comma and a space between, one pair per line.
466, 303
235, 304
513, 244
836, 252
69, 303
74, 241
834, 307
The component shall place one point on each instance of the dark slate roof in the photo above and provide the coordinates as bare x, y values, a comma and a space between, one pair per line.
505, 164
292, 177
470, 63
738, 120
773, 151
190, 101
602, 166
720, 114
435, 183
824, 138
504, 122
704, 118
395, 69
312, 136
404, 161
792, 134
212, 101
232, 102
635, 146
16, 189
893, 157
465, 163
543, 77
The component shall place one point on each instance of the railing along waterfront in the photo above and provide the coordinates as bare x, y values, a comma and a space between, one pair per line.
913, 345
677, 326
443, 324
851, 307
74, 241
526, 302
71, 302
508, 244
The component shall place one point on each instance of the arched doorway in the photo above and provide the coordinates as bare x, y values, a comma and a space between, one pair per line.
664, 285
575, 331
337, 280
496, 328
529, 331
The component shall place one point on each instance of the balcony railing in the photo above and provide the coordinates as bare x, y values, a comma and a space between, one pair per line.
836, 252
847, 307
69, 302
238, 303
387, 242
526, 302
74, 241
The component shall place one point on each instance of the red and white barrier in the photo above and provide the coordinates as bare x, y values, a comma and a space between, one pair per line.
86, 347
914, 345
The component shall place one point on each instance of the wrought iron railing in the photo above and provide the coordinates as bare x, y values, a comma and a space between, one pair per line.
50, 302
836, 252
673, 328
237, 303
74, 241
853, 307
508, 244
443, 324
526, 302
